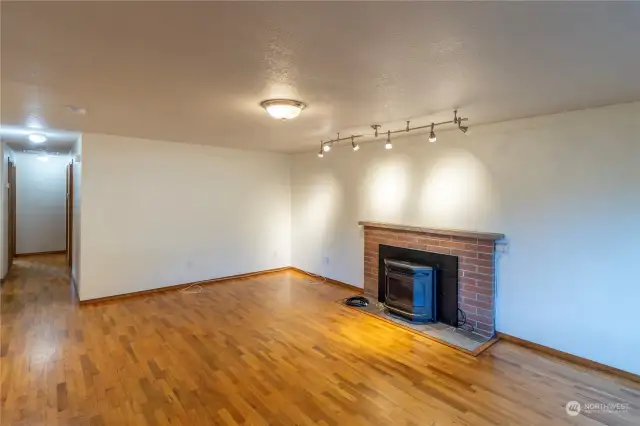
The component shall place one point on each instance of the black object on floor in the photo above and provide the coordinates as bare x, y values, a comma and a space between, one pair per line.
358, 301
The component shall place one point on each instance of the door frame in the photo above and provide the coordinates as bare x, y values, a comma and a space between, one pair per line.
69, 207
11, 214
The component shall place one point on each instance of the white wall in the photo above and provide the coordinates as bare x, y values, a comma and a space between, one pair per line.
156, 213
40, 203
565, 189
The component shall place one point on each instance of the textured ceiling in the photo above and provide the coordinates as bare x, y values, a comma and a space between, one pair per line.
197, 71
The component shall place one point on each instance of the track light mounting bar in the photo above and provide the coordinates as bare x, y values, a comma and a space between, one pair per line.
456, 120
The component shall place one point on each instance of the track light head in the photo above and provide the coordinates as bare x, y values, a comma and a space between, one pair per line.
326, 147
354, 145
432, 134
320, 154
388, 145
458, 120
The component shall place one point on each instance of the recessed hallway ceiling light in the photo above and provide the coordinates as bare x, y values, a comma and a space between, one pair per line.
37, 138
283, 109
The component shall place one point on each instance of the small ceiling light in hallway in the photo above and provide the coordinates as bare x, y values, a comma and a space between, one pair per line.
354, 145
388, 145
37, 138
283, 109
432, 134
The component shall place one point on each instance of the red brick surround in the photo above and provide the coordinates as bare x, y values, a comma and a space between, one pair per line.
476, 268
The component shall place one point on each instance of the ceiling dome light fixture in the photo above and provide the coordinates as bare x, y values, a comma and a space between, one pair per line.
37, 138
388, 145
283, 109
432, 134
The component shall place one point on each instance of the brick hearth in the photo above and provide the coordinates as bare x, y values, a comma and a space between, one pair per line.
476, 259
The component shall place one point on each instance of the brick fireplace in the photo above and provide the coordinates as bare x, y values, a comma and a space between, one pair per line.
476, 264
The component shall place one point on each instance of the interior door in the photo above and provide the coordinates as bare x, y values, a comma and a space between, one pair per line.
11, 213
70, 214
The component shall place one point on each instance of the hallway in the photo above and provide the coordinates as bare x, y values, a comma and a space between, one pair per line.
266, 350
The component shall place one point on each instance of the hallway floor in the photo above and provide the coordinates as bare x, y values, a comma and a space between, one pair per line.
269, 350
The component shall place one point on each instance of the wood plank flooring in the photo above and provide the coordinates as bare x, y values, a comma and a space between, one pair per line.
269, 350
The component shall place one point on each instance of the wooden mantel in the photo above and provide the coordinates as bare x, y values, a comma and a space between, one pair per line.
437, 231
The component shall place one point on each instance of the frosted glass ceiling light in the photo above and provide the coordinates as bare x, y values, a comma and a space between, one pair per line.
432, 135
388, 145
283, 109
37, 138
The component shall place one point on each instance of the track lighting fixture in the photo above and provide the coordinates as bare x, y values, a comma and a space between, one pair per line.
432, 134
388, 145
320, 154
326, 146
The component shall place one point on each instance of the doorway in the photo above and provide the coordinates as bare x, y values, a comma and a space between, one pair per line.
70, 214
11, 214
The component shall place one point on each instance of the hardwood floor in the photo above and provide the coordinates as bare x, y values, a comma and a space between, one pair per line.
270, 350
